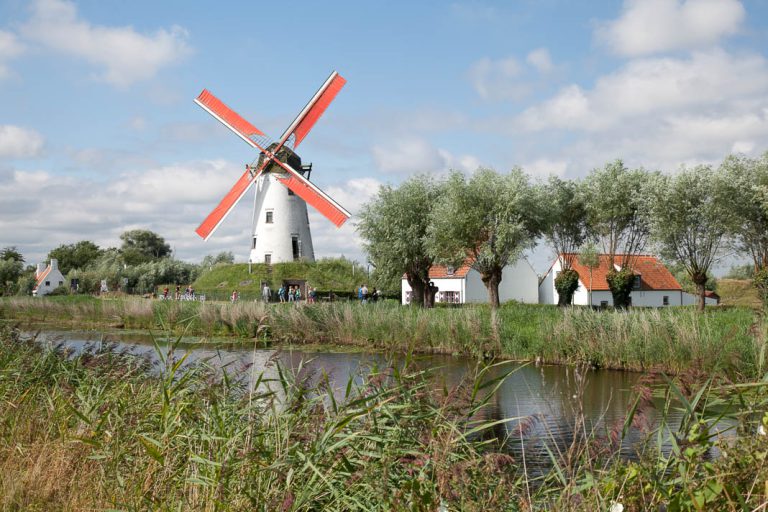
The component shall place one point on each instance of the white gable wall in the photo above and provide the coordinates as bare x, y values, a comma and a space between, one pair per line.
51, 281
519, 282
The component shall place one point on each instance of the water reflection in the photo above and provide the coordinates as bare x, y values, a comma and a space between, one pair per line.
544, 404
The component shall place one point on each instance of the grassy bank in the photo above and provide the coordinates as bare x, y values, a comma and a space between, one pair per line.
729, 342
98, 432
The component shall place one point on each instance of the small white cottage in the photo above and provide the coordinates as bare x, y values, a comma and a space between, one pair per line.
654, 286
48, 278
463, 285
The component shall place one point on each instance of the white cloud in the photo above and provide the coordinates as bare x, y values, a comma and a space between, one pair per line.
498, 79
545, 167
713, 81
541, 60
10, 48
416, 155
17, 142
123, 55
653, 26
40, 210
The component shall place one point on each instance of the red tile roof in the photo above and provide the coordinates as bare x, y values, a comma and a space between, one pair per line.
441, 272
653, 274
42, 276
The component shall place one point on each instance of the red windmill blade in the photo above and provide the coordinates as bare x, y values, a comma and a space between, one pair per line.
254, 137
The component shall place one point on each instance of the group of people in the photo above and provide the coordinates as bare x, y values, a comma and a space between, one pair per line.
189, 293
364, 296
293, 294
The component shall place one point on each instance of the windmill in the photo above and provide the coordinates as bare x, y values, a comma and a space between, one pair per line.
280, 221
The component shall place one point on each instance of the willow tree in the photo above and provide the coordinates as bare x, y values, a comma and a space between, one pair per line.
565, 228
490, 218
690, 219
617, 216
746, 180
393, 226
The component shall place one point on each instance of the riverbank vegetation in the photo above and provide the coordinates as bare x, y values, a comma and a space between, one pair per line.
105, 431
724, 341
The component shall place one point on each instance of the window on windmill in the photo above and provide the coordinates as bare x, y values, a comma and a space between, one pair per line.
290, 192
296, 247
253, 243
47, 283
268, 259
270, 217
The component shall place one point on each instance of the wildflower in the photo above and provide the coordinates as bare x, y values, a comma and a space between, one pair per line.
616, 507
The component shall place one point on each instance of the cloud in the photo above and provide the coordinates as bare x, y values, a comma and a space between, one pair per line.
540, 59
414, 154
17, 142
40, 210
123, 55
654, 26
498, 79
10, 48
713, 82
545, 167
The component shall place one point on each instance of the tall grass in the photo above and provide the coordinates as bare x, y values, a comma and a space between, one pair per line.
102, 431
724, 341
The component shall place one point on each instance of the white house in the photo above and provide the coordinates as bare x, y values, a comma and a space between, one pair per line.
654, 286
48, 278
463, 284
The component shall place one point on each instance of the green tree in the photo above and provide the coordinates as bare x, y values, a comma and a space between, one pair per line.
590, 258
10, 272
11, 253
490, 218
141, 246
393, 227
75, 256
223, 258
745, 180
690, 218
565, 229
617, 216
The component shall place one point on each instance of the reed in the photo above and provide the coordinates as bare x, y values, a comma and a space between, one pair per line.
723, 341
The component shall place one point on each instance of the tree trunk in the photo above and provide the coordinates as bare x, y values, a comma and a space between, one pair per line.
417, 290
491, 281
700, 280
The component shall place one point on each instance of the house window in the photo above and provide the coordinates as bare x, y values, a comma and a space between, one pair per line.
636, 283
451, 297
408, 296
603, 304
665, 300
268, 259
253, 243
450, 271
270, 217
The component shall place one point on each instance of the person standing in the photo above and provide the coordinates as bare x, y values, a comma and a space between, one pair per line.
298, 294
281, 293
364, 293
266, 293
291, 296
234, 296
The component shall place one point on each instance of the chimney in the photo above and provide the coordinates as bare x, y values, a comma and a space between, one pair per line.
40, 269
54, 264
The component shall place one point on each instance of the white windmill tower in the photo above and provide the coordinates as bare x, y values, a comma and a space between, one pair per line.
280, 222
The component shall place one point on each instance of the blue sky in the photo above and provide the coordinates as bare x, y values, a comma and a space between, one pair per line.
99, 134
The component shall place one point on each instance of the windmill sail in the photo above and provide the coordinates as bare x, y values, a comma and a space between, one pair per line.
217, 216
309, 115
